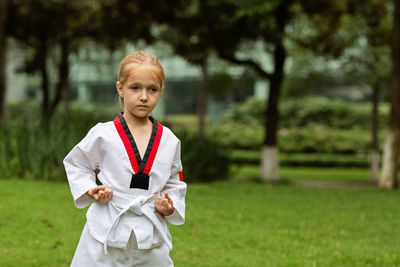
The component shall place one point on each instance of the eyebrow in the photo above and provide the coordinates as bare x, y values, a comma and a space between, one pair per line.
138, 83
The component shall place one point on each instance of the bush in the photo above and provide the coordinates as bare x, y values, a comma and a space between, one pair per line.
312, 138
253, 157
28, 150
337, 114
203, 159
238, 135
322, 139
250, 111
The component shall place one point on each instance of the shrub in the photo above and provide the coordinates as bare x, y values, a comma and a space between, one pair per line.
203, 159
250, 111
28, 150
312, 138
337, 114
238, 135
309, 110
321, 139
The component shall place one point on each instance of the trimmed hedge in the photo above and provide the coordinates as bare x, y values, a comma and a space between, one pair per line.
337, 114
311, 124
309, 139
253, 157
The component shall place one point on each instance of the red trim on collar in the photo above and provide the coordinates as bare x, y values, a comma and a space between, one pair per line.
127, 144
154, 149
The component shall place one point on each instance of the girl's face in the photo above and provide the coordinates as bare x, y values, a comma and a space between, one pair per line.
140, 91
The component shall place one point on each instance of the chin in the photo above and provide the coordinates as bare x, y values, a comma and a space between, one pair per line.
142, 115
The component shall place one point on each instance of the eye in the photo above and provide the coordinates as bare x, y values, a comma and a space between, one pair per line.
134, 87
154, 89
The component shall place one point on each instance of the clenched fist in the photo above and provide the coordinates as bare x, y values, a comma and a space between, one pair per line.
100, 193
164, 205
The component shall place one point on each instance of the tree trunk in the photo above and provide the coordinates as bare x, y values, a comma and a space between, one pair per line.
270, 163
374, 134
270, 151
63, 73
388, 177
3, 47
45, 80
202, 100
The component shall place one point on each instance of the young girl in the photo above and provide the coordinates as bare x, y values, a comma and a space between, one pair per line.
137, 160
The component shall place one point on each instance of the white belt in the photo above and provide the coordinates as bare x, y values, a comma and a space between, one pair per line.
139, 205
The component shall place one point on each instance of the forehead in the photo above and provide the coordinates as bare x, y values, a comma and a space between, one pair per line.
146, 74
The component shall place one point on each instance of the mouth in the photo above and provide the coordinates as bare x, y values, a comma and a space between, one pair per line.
142, 106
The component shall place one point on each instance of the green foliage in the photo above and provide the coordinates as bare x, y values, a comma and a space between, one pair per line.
29, 149
312, 138
203, 159
318, 138
308, 125
253, 157
337, 114
249, 112
301, 112
238, 135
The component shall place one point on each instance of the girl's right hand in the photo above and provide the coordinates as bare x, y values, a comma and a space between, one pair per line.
100, 193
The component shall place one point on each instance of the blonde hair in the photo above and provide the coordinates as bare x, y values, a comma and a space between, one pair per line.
135, 59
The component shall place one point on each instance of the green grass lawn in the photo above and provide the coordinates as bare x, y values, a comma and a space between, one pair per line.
237, 223
252, 172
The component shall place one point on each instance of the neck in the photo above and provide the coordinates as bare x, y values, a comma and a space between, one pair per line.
136, 121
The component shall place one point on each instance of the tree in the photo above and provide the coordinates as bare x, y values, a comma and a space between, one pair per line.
266, 22
193, 33
362, 36
388, 178
274, 24
46, 27
366, 58
373, 57
3, 47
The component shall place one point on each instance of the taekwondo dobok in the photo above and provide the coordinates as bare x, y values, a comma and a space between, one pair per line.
136, 183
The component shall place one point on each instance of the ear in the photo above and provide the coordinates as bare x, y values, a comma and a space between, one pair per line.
119, 88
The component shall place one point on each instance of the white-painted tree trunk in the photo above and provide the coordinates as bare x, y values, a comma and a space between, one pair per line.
388, 178
270, 164
374, 165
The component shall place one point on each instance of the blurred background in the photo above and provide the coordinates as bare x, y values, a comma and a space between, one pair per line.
262, 83
260, 92
252, 78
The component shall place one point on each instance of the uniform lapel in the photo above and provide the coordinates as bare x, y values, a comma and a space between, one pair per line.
141, 168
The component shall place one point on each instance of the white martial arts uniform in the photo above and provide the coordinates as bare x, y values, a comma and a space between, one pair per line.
126, 231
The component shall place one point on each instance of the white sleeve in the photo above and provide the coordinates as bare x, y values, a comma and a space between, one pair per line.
80, 165
176, 189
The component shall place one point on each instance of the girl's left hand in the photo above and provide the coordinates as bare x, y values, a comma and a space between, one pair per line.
164, 205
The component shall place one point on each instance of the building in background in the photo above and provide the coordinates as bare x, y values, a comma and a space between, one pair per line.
94, 71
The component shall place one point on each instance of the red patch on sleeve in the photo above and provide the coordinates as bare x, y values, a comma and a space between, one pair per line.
180, 176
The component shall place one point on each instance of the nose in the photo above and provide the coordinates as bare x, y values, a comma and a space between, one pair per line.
143, 95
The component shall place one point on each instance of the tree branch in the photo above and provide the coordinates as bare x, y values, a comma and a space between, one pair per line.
254, 65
